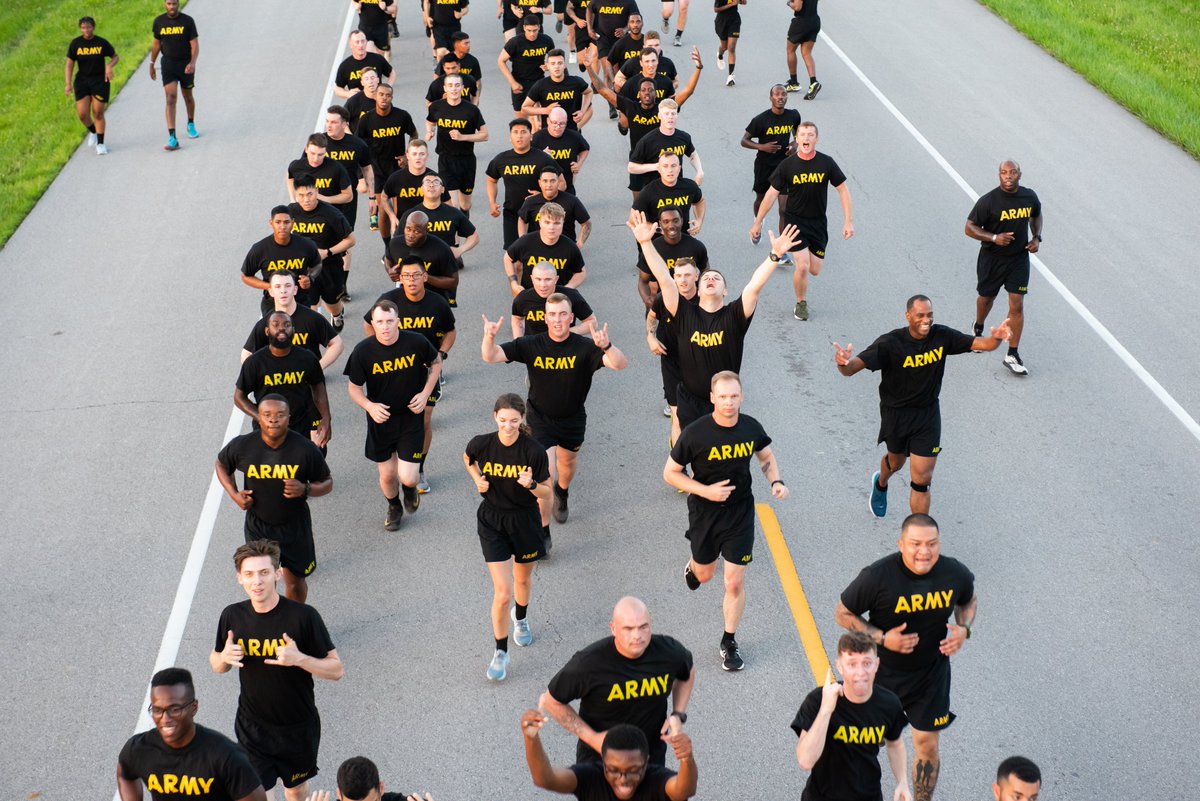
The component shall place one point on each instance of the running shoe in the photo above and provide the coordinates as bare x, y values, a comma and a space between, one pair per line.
813, 88
787, 259
374, 222
720, 61
394, 514
1013, 362
689, 577
792, 86
730, 81
558, 26
667, 410
101, 149
522, 635
666, 24
559, 507
172, 143
92, 139
571, 58
547, 541
192, 132
731, 659
412, 499
612, 112
801, 312
339, 322
422, 486
393, 31
678, 40
498, 669
878, 497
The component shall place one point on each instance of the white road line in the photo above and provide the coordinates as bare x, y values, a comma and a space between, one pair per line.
168, 649
1075, 303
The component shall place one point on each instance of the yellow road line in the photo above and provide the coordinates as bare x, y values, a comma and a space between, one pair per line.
806, 626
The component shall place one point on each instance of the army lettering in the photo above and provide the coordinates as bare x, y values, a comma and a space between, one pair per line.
175, 784
89, 51
299, 227
393, 365
1016, 214
285, 264
174, 30
740, 450
707, 340
808, 178
502, 470
647, 687
554, 362
278, 471
279, 379
938, 599
519, 169
853, 735
923, 359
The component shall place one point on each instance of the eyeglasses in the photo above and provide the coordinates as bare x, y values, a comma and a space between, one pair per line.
173, 711
635, 773
410, 276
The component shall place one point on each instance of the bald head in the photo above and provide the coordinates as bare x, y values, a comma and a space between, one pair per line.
418, 218
631, 627
1010, 164
558, 114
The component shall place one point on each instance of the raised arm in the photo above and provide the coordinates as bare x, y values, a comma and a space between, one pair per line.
491, 352
643, 232
689, 88
779, 246
545, 775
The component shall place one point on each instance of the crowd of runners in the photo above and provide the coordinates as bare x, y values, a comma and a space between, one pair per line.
625, 697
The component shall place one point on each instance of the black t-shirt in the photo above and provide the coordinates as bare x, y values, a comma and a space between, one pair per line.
385, 135
641, 121
612, 689
913, 368
373, 13
665, 332
392, 374
656, 196
564, 254
848, 769
265, 469
442, 12
311, 331
999, 212
666, 67
293, 376
466, 118
349, 72
89, 56
806, 184
175, 35
573, 212
349, 151
709, 342
467, 65
324, 225
625, 48
274, 694
531, 307
358, 104
430, 316
809, 9
590, 784
519, 173
500, 465
887, 593
406, 190
687, 245
446, 222
567, 93
664, 87
211, 767
771, 127
718, 452
609, 15
437, 90
563, 149
267, 257
527, 58
560, 373
331, 177
434, 254
655, 143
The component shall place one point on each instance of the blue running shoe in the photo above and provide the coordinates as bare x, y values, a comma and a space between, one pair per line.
498, 669
192, 132
878, 497
172, 143
522, 634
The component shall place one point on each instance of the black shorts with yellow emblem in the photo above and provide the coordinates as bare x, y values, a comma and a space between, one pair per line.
924, 693
280, 753
725, 530
297, 550
505, 535
911, 432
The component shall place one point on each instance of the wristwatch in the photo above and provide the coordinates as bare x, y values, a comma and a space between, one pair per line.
774, 258
681, 715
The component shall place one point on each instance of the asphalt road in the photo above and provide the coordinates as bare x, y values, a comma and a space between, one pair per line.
1069, 493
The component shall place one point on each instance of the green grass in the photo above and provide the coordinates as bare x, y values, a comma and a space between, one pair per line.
1145, 54
38, 121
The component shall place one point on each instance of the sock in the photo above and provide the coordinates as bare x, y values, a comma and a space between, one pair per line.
409, 492
92, 128
99, 138
191, 121
1012, 352
545, 531
559, 491
422, 463
978, 329
502, 644
731, 67
792, 78
812, 79
393, 501
880, 487
678, 33
521, 611
727, 638
171, 131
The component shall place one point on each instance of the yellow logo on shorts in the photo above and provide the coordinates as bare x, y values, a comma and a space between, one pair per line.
937, 449
533, 555
747, 558
942, 721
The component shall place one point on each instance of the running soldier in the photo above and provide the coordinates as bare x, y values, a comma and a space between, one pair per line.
772, 136
568, 148
310, 329
327, 227
802, 33
518, 168
432, 253
674, 245
347, 80
718, 448
550, 191
547, 244
458, 126
527, 56
913, 363
175, 36
728, 24
447, 223
529, 306
282, 252
295, 373
278, 646
96, 58
558, 90
907, 599
643, 159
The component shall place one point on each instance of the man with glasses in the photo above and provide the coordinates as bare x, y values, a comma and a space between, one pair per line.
180, 757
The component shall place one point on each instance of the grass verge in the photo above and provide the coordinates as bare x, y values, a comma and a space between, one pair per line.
39, 122
1145, 54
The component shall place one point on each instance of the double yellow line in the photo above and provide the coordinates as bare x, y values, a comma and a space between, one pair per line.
806, 626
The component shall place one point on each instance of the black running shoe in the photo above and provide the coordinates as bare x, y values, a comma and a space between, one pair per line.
731, 659
394, 514
412, 499
689, 577
813, 88
559, 508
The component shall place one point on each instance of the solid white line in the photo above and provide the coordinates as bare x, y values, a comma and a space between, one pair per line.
1075, 303
168, 649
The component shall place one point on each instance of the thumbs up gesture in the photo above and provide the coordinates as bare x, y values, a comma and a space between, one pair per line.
232, 653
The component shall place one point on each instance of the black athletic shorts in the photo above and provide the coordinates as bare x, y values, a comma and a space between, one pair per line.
763, 169
803, 30
510, 226
993, 272
92, 87
725, 530
331, 282
508, 20
350, 210
911, 432
563, 432
518, 98
458, 173
925, 694
513, 535
690, 408
814, 234
280, 753
173, 72
582, 40
297, 551
671, 379
560, 7
604, 44
378, 36
728, 25
442, 34
402, 435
